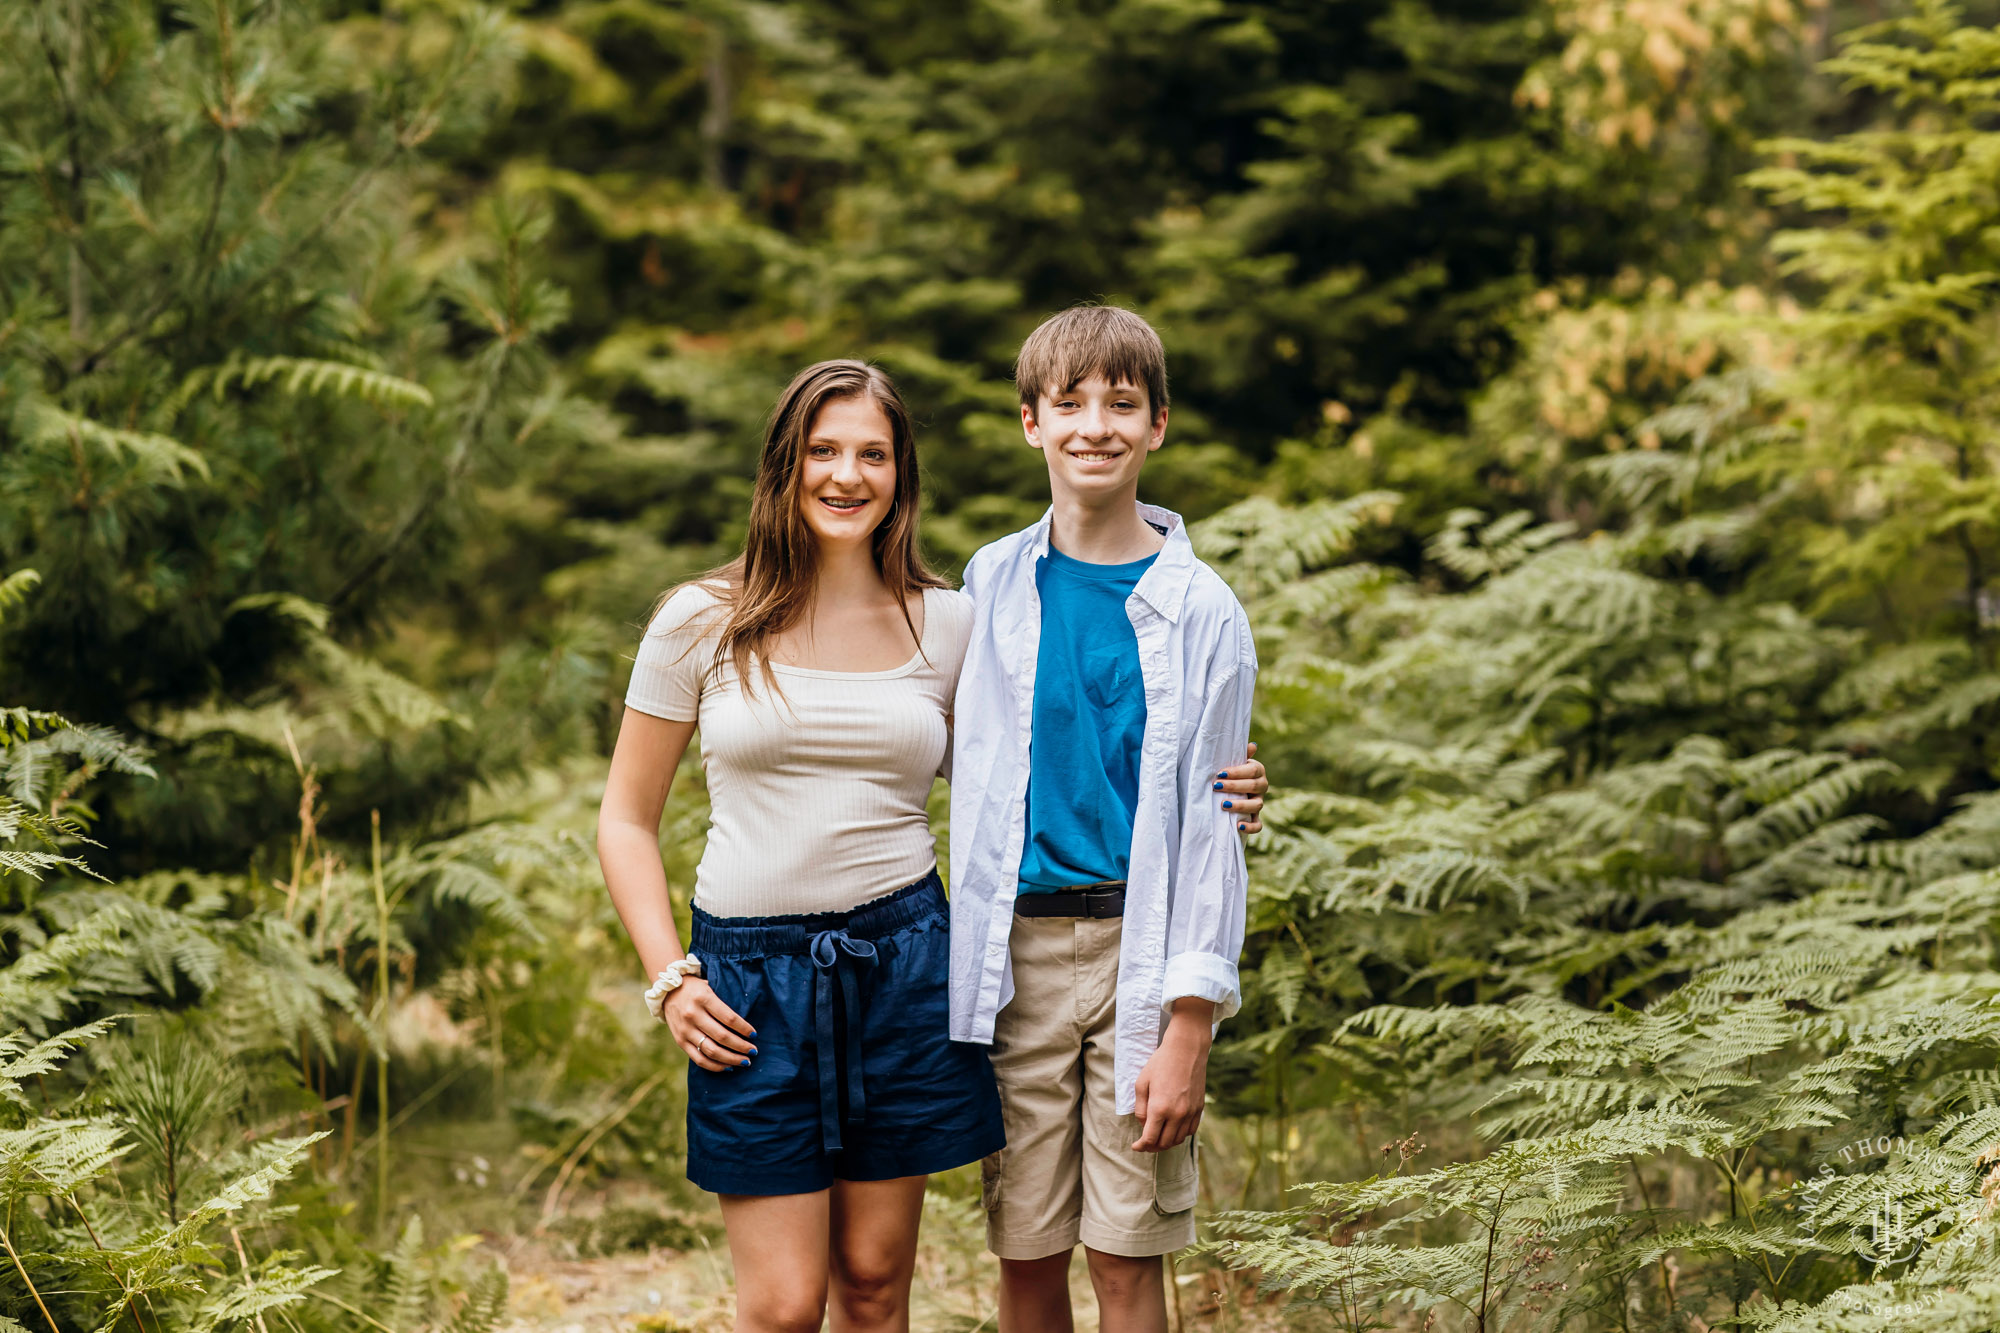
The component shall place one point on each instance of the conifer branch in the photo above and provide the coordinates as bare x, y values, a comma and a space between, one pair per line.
73, 214
455, 464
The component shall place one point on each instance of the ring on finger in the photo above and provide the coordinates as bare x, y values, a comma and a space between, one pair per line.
701, 1045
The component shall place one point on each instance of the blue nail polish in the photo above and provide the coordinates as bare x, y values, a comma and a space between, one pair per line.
1229, 805
1242, 828
1218, 786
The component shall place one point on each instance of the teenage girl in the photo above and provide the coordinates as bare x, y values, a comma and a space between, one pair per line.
819, 668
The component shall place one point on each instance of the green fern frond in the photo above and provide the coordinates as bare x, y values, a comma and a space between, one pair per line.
32, 864
1283, 978
297, 375
272, 1288
1259, 546
158, 459
380, 701
1323, 597
1891, 1307
485, 868
52, 1156
406, 1285
14, 590
1898, 672
20, 1061
22, 724
484, 1304
1961, 1089
1635, 477
1473, 549
289, 606
149, 1262
273, 977
1947, 709
37, 986
32, 766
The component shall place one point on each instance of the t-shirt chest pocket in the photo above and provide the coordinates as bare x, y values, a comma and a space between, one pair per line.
1111, 677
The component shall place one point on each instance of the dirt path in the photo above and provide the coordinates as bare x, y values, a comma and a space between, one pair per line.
670, 1291
689, 1291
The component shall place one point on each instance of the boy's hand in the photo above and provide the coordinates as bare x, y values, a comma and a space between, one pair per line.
1241, 790
1174, 1083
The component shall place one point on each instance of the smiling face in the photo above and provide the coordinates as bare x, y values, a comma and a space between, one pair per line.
1096, 435
847, 471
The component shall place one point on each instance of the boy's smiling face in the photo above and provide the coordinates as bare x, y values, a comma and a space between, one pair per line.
1096, 435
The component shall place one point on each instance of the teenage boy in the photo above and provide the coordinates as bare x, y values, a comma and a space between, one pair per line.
1097, 886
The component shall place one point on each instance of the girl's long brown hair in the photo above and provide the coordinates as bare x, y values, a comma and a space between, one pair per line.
768, 589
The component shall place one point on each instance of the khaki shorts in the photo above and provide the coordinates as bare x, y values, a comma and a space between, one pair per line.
1068, 1172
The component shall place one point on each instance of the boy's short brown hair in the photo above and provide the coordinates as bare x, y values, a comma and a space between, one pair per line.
1088, 340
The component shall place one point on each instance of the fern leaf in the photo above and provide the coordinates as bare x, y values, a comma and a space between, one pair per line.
14, 590
271, 1289
44, 1057
484, 1304
159, 459
406, 1286
297, 375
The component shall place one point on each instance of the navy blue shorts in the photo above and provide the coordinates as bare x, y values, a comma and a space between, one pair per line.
855, 1076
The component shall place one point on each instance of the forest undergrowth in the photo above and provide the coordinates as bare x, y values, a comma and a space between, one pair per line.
1593, 402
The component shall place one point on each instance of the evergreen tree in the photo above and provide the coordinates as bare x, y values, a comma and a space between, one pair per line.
252, 365
1899, 388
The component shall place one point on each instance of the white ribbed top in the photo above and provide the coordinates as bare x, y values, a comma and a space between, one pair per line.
816, 800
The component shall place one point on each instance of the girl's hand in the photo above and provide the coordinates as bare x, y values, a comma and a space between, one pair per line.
1241, 790
714, 1036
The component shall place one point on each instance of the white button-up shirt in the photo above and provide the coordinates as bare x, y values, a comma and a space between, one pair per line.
1186, 889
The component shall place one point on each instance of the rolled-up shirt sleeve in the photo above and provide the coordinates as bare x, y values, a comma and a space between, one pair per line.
1211, 886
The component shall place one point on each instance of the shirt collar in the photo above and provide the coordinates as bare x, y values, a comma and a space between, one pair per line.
1163, 586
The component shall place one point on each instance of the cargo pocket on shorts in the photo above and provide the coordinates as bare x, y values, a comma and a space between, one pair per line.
989, 1179
1176, 1178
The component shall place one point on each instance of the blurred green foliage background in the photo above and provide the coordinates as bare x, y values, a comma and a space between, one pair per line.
1594, 402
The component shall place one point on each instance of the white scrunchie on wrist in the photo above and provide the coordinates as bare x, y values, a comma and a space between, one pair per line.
668, 982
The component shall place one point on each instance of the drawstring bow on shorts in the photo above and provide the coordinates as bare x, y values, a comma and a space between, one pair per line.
835, 953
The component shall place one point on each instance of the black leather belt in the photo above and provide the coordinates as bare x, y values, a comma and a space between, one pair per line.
1096, 901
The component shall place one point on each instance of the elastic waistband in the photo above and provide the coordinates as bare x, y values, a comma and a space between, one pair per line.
762, 936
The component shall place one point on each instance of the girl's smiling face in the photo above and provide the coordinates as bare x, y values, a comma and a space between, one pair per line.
847, 475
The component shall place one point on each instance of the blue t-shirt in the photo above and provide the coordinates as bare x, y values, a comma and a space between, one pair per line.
1090, 717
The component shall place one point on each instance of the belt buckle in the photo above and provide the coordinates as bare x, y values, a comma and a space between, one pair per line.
1104, 904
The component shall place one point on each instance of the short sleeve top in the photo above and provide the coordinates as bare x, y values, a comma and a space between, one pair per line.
817, 796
